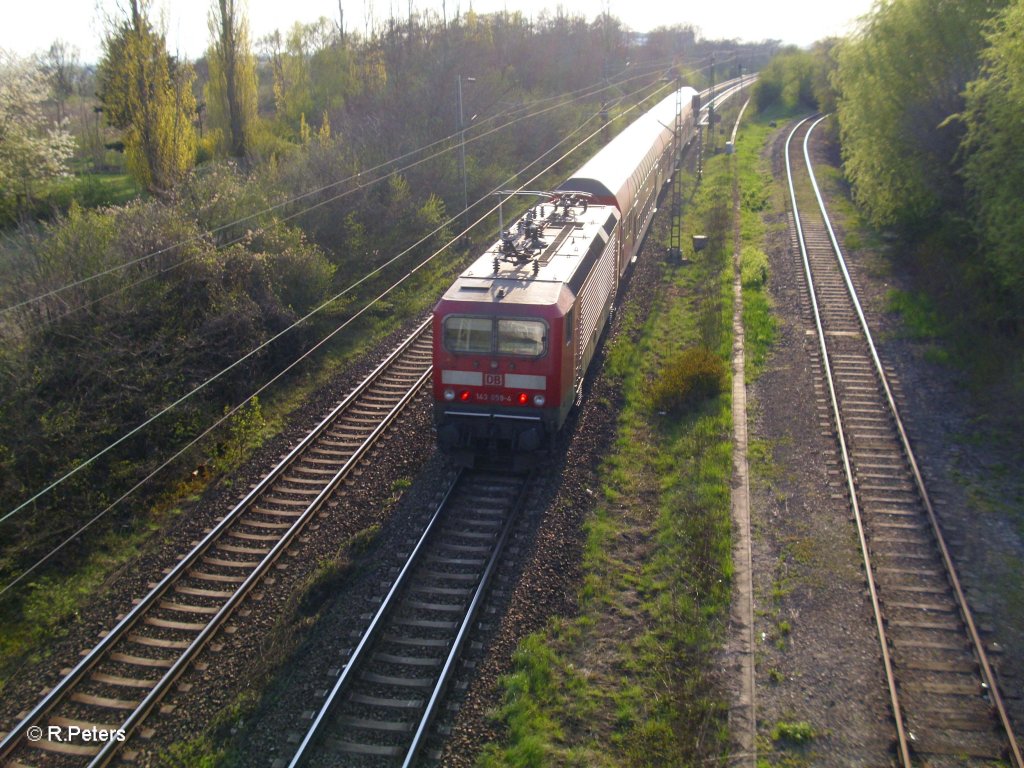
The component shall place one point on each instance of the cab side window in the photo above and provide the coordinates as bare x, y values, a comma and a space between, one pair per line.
522, 337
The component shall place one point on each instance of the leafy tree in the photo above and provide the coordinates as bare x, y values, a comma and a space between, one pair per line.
664, 42
994, 165
61, 64
823, 54
231, 93
32, 148
898, 81
292, 79
798, 79
271, 49
334, 77
148, 95
789, 80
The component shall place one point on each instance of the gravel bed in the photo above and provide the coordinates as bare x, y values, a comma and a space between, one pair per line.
817, 658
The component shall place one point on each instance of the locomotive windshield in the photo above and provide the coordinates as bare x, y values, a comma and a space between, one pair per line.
484, 335
521, 337
468, 334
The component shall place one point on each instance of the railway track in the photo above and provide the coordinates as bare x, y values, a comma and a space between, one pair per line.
379, 709
944, 696
123, 679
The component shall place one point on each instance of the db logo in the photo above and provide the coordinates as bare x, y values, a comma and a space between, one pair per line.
494, 379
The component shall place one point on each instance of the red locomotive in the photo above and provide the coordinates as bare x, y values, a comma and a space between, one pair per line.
515, 333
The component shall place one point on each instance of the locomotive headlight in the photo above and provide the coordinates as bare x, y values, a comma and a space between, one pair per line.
523, 398
449, 395
539, 400
464, 395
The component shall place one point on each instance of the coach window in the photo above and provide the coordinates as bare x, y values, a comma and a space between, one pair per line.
468, 334
522, 337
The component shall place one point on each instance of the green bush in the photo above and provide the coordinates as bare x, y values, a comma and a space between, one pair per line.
754, 269
794, 733
688, 379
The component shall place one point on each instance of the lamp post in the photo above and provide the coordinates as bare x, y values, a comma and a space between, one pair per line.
99, 157
462, 149
711, 109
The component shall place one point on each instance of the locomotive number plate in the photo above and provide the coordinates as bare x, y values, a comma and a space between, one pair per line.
494, 397
494, 379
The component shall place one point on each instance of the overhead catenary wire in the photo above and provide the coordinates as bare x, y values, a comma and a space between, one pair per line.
166, 409
199, 388
228, 414
361, 183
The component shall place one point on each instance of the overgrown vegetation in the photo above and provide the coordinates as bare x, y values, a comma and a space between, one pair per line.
899, 83
993, 118
755, 189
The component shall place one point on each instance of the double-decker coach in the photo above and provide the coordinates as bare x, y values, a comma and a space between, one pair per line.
631, 170
516, 332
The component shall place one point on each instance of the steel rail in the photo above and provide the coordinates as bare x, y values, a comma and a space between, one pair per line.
965, 611
268, 561
901, 732
313, 734
55, 695
304, 751
471, 611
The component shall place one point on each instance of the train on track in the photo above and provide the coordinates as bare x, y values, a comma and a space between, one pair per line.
513, 337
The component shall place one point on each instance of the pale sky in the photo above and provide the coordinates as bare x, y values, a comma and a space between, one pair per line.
30, 26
